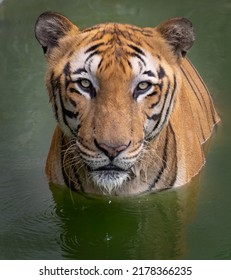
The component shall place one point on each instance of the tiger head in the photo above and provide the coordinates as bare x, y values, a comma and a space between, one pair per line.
112, 87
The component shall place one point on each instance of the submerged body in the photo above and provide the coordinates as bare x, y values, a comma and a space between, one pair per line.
132, 111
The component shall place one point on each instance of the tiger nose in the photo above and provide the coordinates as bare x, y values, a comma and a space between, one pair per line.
111, 151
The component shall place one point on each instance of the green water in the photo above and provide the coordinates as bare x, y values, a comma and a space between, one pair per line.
38, 222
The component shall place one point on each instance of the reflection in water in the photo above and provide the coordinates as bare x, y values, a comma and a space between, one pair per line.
147, 227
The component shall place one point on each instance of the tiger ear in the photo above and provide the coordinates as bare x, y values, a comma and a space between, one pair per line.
51, 27
179, 33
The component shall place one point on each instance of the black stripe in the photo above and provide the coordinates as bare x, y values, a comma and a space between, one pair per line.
66, 72
65, 112
56, 91
73, 90
78, 128
171, 100
62, 109
161, 85
155, 103
80, 71
53, 98
100, 63
138, 56
163, 166
158, 56
69, 183
153, 94
172, 175
73, 103
154, 117
149, 73
129, 63
66, 69
70, 114
136, 49
138, 93
94, 47
92, 54
161, 73
170, 103
165, 98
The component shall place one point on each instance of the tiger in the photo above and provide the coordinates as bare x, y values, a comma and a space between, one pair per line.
132, 111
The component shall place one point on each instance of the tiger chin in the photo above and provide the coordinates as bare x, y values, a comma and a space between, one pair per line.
132, 111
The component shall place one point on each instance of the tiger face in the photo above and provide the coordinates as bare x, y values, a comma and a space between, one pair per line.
112, 88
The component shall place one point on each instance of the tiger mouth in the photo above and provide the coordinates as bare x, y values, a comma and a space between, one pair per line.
109, 168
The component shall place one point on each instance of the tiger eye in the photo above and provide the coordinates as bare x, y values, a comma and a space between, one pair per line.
85, 83
143, 85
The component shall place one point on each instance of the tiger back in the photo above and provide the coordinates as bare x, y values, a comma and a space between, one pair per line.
132, 112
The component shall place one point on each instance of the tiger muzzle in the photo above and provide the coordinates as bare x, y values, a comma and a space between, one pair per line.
111, 151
